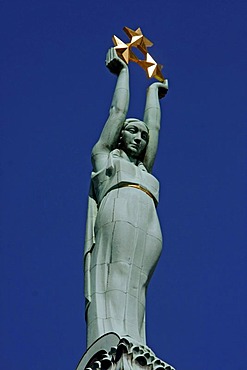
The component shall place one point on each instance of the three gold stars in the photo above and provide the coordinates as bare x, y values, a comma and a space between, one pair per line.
138, 40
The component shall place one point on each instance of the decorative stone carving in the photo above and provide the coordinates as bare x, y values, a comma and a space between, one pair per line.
124, 355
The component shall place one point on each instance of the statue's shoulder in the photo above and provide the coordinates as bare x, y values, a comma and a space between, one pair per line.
116, 153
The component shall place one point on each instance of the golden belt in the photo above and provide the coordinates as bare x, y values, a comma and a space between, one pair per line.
136, 186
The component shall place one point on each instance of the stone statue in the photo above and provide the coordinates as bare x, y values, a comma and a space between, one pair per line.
123, 238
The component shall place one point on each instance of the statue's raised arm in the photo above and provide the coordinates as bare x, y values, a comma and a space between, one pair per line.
152, 116
117, 115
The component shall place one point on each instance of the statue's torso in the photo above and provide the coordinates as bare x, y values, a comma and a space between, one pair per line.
120, 170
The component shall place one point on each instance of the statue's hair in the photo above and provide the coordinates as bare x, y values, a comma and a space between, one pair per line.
129, 120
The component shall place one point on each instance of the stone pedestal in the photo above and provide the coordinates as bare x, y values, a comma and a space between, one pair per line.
115, 353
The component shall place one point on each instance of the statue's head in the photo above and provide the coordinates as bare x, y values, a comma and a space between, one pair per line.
134, 138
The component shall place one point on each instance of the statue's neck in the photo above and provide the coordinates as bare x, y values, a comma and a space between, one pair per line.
133, 160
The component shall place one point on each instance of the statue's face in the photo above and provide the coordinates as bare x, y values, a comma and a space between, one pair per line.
134, 139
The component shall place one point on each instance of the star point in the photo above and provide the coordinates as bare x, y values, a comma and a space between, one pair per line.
122, 49
137, 39
152, 68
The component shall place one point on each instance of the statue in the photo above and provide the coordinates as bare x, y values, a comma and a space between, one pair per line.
123, 237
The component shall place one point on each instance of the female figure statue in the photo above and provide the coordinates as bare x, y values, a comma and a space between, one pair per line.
123, 241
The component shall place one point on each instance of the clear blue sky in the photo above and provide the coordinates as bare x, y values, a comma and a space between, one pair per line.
55, 93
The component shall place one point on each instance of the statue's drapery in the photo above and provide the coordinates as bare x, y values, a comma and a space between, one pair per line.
123, 244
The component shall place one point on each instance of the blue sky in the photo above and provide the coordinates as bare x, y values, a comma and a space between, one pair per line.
56, 94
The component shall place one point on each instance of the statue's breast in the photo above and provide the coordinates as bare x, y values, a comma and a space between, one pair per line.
120, 170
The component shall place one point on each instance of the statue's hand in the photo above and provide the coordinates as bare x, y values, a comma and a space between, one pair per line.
113, 62
162, 88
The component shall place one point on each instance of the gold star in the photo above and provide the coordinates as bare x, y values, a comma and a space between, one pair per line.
151, 68
121, 48
124, 50
137, 39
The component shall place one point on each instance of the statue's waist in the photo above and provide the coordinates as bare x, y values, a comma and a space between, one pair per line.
135, 186
141, 180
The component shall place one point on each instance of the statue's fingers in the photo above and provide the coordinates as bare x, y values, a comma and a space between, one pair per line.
108, 56
165, 84
112, 53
